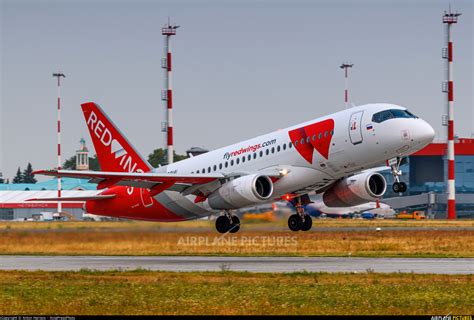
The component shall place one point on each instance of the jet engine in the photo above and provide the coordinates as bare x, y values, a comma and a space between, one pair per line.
241, 192
355, 190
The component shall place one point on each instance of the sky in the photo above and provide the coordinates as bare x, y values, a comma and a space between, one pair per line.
240, 68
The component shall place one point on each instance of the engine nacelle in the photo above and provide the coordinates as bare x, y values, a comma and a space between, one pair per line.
242, 192
355, 190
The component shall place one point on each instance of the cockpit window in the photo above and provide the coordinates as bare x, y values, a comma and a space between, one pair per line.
391, 114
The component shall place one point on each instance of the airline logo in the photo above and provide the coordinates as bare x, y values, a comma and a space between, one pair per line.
314, 136
253, 148
113, 151
104, 135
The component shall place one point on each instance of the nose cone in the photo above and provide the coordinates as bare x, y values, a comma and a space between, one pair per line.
423, 133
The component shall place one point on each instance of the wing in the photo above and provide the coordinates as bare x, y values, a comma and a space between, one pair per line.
106, 179
200, 185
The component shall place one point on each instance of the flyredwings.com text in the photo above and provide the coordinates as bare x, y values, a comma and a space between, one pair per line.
253, 148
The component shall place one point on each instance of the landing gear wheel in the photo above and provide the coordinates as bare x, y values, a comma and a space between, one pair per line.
235, 224
222, 224
396, 187
399, 187
403, 187
307, 224
294, 222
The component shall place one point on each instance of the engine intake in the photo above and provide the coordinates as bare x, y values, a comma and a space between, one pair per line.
355, 190
241, 192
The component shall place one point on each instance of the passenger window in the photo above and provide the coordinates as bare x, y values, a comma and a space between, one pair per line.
284, 146
220, 166
302, 140
296, 143
208, 169
215, 168
197, 171
278, 149
325, 134
255, 155
226, 164
308, 139
237, 161
290, 145
314, 137
320, 135
249, 157
203, 170
243, 159
231, 162
273, 149
267, 152
332, 132
261, 154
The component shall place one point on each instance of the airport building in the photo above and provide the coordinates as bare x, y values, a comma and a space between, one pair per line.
13, 196
426, 171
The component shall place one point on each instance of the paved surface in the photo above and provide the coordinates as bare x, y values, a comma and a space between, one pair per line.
251, 264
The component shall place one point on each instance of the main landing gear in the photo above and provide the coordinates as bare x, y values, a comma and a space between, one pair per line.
228, 223
397, 187
300, 220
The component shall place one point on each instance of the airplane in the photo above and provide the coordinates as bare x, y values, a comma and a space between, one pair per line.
369, 209
317, 208
328, 155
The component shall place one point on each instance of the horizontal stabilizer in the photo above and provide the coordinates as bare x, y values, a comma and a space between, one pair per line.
132, 179
75, 199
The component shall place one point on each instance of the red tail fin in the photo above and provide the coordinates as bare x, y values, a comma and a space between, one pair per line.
114, 152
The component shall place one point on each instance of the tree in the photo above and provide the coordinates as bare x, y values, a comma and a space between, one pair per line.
158, 157
28, 176
18, 177
70, 164
94, 163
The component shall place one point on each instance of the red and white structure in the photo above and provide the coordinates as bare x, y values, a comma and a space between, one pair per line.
59, 75
346, 66
167, 94
449, 18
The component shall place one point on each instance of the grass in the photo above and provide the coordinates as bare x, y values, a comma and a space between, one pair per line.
207, 225
142, 241
146, 292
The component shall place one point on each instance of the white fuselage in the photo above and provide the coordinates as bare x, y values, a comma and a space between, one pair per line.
339, 145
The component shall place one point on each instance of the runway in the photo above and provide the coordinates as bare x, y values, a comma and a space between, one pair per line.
250, 264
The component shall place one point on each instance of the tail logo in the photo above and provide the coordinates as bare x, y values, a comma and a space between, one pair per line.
104, 135
117, 149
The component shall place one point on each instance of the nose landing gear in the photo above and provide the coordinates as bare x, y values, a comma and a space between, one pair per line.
397, 187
